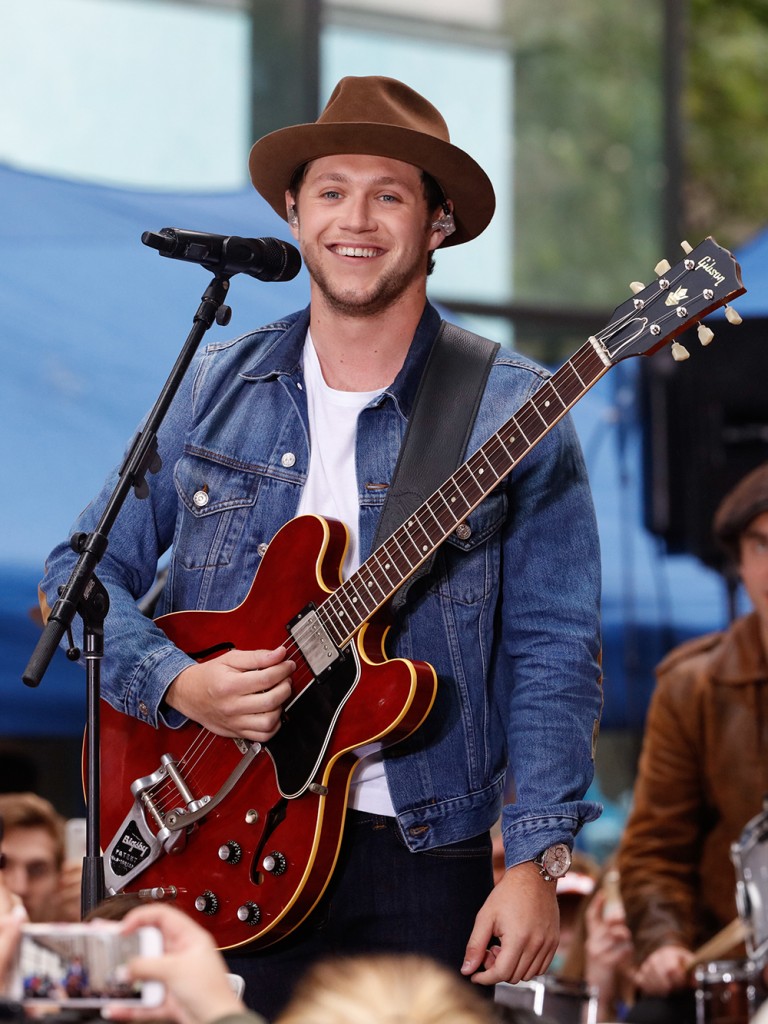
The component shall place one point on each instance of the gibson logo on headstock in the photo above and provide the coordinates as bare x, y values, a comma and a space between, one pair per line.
707, 264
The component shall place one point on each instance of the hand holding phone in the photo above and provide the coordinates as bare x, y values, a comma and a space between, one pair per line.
198, 988
83, 965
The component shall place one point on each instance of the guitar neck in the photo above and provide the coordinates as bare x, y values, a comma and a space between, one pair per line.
394, 561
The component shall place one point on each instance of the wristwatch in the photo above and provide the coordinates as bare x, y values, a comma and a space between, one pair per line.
553, 862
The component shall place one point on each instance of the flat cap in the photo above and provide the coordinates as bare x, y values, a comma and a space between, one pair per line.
747, 500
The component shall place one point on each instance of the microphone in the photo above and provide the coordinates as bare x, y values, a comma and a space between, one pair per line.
267, 259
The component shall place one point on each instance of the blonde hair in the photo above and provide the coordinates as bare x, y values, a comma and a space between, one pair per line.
384, 989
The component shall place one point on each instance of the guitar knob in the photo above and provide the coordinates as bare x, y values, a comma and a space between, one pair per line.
275, 863
249, 913
231, 852
207, 903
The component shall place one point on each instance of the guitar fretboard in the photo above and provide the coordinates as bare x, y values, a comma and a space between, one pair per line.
393, 562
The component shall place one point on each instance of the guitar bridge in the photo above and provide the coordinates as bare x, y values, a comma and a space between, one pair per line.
317, 647
135, 846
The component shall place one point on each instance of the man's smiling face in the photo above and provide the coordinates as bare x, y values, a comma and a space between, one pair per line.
364, 230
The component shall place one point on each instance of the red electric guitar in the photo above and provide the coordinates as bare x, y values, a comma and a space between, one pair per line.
245, 836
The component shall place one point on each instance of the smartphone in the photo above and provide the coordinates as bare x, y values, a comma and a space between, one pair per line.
74, 839
81, 965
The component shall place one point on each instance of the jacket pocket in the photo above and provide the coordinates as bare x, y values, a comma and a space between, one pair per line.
466, 569
215, 500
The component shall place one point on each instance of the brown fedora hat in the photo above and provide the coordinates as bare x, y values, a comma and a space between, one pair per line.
378, 117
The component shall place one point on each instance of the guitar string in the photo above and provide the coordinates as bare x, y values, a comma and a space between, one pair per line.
527, 417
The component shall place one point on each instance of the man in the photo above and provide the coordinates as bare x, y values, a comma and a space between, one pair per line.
702, 776
33, 855
308, 415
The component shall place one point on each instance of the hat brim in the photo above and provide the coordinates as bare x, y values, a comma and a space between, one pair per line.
276, 156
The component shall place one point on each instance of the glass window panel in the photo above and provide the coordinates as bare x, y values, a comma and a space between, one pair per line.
129, 92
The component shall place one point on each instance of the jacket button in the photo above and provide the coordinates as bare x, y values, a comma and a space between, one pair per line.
200, 498
418, 830
143, 709
289, 459
463, 531
262, 549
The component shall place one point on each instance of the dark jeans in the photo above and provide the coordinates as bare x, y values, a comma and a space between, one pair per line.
382, 898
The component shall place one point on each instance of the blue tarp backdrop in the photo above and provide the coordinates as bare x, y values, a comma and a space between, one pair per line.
92, 322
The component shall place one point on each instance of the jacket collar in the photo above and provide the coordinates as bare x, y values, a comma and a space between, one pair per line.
283, 356
742, 658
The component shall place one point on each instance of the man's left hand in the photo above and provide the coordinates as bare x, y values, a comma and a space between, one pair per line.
522, 914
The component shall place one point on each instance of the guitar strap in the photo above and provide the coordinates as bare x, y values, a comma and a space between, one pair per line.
438, 430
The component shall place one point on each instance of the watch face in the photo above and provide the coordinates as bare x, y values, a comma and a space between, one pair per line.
556, 860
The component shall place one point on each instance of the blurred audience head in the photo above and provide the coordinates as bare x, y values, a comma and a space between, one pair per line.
385, 989
33, 850
738, 510
741, 527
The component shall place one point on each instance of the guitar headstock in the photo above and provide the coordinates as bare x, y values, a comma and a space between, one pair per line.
707, 278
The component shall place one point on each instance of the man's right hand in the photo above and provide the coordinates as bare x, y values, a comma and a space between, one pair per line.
664, 970
240, 694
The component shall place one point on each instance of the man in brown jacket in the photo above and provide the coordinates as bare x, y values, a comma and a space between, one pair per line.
702, 775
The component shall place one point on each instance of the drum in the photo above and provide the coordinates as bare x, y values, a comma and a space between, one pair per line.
750, 859
726, 991
558, 999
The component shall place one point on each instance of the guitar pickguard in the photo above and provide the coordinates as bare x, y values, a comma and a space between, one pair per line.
308, 723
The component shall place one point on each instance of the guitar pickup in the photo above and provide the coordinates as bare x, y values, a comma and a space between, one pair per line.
317, 648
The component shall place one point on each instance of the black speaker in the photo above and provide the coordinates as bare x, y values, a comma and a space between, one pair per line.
704, 426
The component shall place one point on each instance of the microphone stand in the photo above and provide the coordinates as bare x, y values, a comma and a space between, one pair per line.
86, 595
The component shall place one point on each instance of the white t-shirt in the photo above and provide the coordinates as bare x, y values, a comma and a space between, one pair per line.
331, 490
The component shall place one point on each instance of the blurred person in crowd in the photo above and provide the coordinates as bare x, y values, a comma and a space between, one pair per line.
12, 913
35, 867
600, 952
573, 893
702, 775
379, 989
10, 929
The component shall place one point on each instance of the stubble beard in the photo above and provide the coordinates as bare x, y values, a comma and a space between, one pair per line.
384, 293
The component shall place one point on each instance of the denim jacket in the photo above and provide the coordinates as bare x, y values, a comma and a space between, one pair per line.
508, 616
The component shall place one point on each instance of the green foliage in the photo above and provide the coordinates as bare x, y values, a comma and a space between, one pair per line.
588, 158
726, 113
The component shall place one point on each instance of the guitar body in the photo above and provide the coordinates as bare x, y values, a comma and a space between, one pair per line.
284, 801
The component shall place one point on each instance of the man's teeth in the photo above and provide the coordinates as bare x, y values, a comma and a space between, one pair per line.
348, 250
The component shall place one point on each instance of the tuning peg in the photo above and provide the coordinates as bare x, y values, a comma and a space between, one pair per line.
636, 286
662, 267
731, 315
679, 352
705, 334
686, 247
